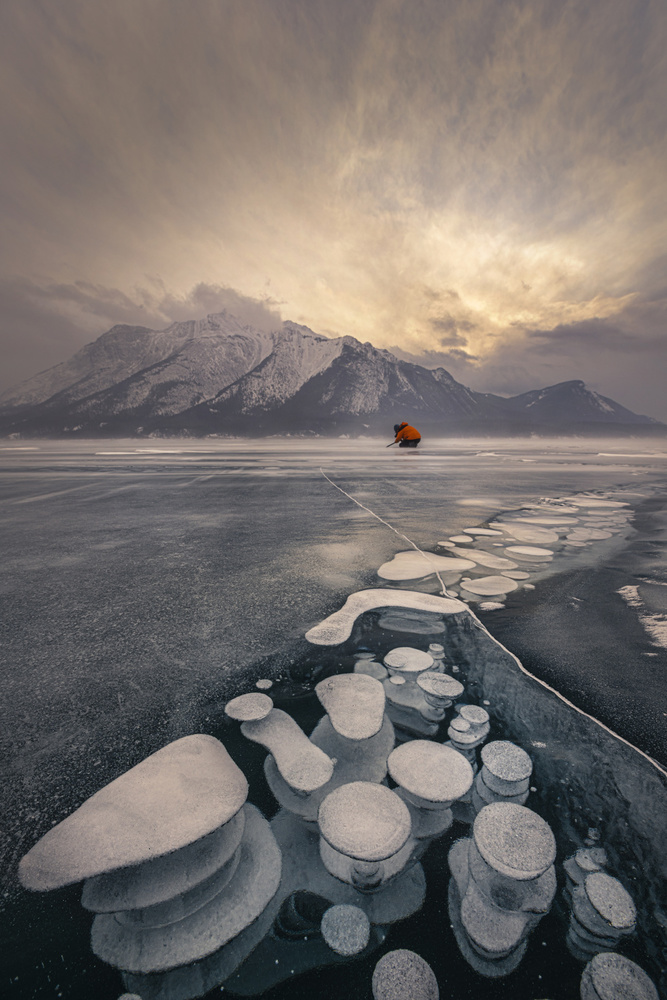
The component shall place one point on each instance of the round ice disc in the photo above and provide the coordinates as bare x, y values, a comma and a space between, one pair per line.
346, 929
249, 707
404, 975
430, 770
364, 820
514, 840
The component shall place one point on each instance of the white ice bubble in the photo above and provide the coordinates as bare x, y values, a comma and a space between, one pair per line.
302, 765
408, 660
487, 559
530, 533
516, 574
412, 565
489, 586
264, 684
490, 606
364, 820
354, 704
338, 626
346, 929
482, 531
249, 707
404, 975
459, 539
529, 552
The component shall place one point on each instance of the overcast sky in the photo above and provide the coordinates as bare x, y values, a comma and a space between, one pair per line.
479, 184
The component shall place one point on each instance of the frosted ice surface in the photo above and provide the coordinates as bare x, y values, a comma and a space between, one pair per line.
354, 704
302, 765
177, 795
487, 559
482, 531
249, 707
611, 900
411, 565
408, 660
507, 761
530, 533
490, 585
364, 820
152, 882
346, 929
514, 840
338, 626
610, 976
430, 771
530, 552
516, 574
404, 975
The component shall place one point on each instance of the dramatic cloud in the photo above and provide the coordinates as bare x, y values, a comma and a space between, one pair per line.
466, 179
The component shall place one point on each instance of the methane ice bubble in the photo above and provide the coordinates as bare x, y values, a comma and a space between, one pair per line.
531, 553
407, 660
529, 533
222, 918
336, 628
488, 586
514, 841
249, 707
412, 566
487, 559
177, 795
303, 766
364, 821
490, 606
371, 668
346, 929
459, 539
483, 531
553, 521
588, 534
439, 687
515, 574
431, 774
610, 976
593, 502
354, 704
151, 882
404, 975
264, 684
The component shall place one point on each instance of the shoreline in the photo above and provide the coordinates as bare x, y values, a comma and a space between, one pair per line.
582, 637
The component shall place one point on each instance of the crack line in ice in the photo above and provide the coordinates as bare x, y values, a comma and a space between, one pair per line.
388, 525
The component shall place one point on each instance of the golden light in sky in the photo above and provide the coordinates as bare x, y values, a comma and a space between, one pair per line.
477, 184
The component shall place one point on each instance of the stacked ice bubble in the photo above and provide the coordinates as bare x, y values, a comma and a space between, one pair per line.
602, 911
503, 883
176, 864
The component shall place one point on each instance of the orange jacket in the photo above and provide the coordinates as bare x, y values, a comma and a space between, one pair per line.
405, 431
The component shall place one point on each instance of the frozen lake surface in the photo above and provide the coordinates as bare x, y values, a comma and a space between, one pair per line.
144, 583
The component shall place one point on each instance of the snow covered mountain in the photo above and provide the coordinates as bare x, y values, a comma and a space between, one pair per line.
217, 376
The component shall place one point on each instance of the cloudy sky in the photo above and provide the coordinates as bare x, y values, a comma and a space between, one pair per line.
478, 184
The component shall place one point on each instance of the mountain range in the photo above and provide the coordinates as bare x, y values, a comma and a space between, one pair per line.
218, 376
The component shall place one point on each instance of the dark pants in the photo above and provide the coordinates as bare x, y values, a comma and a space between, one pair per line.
409, 444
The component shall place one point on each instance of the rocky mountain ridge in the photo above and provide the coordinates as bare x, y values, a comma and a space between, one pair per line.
218, 376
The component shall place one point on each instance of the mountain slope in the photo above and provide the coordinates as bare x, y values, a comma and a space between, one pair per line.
571, 402
217, 376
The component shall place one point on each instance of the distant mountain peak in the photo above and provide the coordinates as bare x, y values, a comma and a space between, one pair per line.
219, 375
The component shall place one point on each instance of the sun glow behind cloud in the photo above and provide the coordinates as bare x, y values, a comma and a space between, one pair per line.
478, 184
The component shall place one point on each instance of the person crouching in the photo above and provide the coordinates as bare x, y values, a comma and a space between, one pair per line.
406, 436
